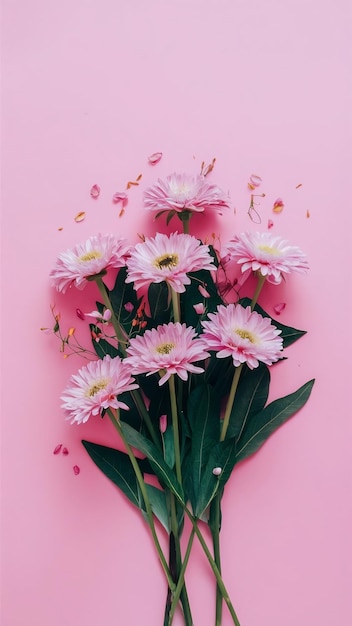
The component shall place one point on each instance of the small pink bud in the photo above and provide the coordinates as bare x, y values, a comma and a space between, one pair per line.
129, 307
202, 290
217, 471
199, 308
80, 314
163, 423
76, 470
95, 191
278, 308
57, 448
154, 158
107, 315
64, 451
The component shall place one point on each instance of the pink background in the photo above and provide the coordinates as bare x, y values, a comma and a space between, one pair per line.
91, 88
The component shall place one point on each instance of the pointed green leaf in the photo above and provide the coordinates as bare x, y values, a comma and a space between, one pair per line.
158, 298
223, 456
170, 215
157, 499
259, 428
288, 334
168, 444
162, 470
121, 294
251, 396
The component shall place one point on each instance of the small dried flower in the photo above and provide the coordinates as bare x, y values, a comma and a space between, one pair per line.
80, 216
278, 205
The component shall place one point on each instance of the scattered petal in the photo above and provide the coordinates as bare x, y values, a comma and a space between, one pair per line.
278, 205
278, 308
250, 186
80, 216
299, 185
71, 332
154, 158
132, 183
95, 191
307, 214
120, 196
139, 177
199, 308
76, 470
80, 314
202, 290
255, 180
57, 448
61, 228
270, 224
217, 471
163, 423
107, 315
64, 451
121, 212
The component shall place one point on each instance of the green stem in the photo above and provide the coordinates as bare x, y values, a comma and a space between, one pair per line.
180, 583
214, 567
217, 556
175, 429
230, 400
260, 283
183, 591
175, 305
148, 508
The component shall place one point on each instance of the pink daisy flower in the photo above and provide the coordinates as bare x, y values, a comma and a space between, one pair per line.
181, 192
243, 334
167, 258
92, 257
96, 387
266, 253
169, 349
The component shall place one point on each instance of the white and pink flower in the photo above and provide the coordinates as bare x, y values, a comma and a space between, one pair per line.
169, 349
95, 387
245, 335
94, 256
267, 254
167, 258
182, 192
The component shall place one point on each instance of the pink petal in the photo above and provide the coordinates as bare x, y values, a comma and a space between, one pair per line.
80, 314
57, 448
278, 205
217, 471
107, 315
203, 291
76, 470
270, 224
95, 191
64, 451
154, 158
120, 196
278, 308
255, 180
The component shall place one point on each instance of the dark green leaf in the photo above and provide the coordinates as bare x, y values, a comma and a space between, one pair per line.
259, 428
158, 298
251, 396
102, 347
222, 455
121, 294
168, 444
288, 334
170, 215
157, 499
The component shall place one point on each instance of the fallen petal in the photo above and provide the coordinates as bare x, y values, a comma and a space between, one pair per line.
154, 158
80, 314
95, 191
64, 451
57, 448
270, 224
278, 205
278, 308
255, 180
80, 216
120, 196
202, 290
307, 214
76, 470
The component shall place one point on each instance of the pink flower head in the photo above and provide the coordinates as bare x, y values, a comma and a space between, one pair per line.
168, 349
92, 257
243, 334
96, 387
266, 253
167, 258
181, 192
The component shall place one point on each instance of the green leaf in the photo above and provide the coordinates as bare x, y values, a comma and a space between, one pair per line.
222, 455
251, 396
117, 467
168, 444
170, 215
158, 298
157, 499
162, 470
288, 334
203, 413
102, 347
259, 428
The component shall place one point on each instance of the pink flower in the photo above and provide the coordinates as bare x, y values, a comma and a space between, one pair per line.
167, 258
181, 192
266, 253
243, 334
168, 349
96, 387
92, 257
101, 317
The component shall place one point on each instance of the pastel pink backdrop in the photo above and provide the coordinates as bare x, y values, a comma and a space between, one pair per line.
90, 89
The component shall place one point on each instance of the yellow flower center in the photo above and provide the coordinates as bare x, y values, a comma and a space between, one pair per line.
245, 334
166, 261
269, 249
97, 386
90, 256
165, 348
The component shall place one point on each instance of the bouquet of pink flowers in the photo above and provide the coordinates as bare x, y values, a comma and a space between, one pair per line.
182, 373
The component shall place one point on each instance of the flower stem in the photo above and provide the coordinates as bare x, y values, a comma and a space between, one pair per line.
230, 401
115, 420
260, 283
178, 564
175, 429
176, 305
180, 582
217, 556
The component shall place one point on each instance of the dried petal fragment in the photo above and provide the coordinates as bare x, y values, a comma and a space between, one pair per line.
71, 332
80, 216
278, 308
299, 185
132, 183
76, 470
278, 205
307, 214
64, 451
270, 224
255, 180
121, 212
80, 314
120, 196
154, 158
61, 228
95, 191
57, 448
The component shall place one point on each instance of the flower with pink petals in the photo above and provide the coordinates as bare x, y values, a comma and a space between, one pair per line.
181, 192
94, 256
102, 318
267, 254
243, 334
95, 387
167, 258
169, 349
